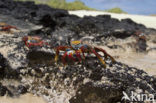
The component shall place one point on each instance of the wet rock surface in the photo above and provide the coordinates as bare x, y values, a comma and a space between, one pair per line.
33, 70
79, 83
12, 91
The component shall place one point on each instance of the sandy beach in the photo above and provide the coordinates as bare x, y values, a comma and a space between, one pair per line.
148, 21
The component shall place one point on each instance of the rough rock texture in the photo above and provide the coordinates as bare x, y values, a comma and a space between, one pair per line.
79, 83
60, 26
52, 19
34, 70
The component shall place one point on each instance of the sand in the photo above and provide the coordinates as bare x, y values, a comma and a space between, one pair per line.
148, 21
27, 98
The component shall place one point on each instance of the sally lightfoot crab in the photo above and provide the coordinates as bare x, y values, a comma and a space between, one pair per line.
77, 51
6, 27
33, 41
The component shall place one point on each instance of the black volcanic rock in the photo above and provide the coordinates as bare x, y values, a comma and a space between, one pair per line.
40, 58
35, 70
5, 70
2, 65
28, 10
95, 94
94, 83
81, 82
3, 90
21, 89
99, 26
12, 91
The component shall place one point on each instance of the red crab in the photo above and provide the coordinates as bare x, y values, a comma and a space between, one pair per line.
32, 41
77, 50
6, 27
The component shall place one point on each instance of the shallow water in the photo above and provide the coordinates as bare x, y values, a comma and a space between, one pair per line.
144, 61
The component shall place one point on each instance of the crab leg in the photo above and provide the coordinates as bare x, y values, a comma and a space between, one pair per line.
71, 57
83, 51
57, 54
62, 48
8, 27
27, 44
98, 56
63, 58
78, 55
105, 53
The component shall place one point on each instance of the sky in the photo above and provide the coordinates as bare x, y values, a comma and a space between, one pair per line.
142, 7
